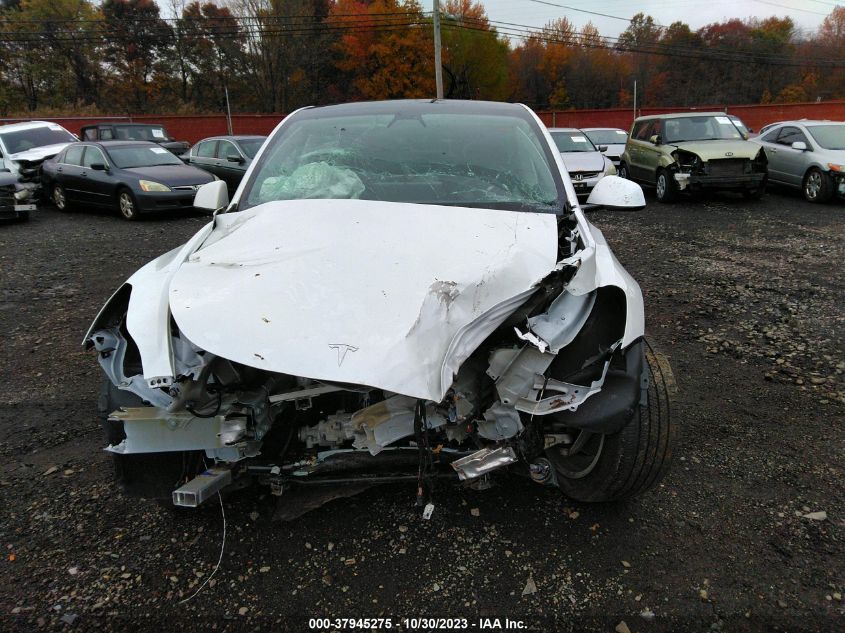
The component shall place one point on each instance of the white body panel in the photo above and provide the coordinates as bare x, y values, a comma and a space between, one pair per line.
358, 291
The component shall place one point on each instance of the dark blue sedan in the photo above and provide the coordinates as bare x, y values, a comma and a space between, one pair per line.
135, 177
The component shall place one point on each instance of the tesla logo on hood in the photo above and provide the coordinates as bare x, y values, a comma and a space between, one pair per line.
342, 348
729, 153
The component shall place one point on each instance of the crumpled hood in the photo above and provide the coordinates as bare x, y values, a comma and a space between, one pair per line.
583, 161
710, 150
39, 153
389, 295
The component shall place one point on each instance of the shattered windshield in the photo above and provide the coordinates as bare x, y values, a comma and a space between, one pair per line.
828, 136
22, 140
699, 128
465, 159
575, 141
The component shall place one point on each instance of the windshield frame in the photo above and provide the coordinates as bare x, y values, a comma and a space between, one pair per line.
414, 109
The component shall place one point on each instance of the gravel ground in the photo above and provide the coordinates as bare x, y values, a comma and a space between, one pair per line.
745, 298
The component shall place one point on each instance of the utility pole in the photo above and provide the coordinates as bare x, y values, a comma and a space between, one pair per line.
438, 61
635, 98
228, 111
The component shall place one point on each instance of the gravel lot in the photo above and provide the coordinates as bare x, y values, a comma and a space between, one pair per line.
745, 298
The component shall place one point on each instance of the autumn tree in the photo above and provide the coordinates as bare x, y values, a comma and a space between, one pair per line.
138, 40
386, 50
474, 56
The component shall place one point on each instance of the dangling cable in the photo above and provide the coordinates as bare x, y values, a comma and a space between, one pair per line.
219, 560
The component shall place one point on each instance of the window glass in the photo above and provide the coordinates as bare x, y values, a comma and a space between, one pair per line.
224, 148
206, 149
699, 128
93, 155
607, 137
480, 160
790, 134
829, 136
771, 137
73, 156
106, 134
574, 141
250, 146
142, 155
90, 134
41, 136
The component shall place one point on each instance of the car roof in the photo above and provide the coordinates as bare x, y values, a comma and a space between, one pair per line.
678, 115
123, 124
26, 125
602, 129
564, 129
420, 105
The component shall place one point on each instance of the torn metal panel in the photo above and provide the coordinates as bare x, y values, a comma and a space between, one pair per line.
548, 395
388, 421
483, 461
500, 423
560, 324
153, 430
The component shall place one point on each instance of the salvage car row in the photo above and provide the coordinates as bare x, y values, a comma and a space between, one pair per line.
673, 154
135, 168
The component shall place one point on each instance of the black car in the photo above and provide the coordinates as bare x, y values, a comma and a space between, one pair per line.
151, 132
227, 157
135, 177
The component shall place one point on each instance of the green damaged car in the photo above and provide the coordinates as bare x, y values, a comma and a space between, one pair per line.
693, 152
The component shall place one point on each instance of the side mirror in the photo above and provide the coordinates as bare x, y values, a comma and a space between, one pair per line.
602, 148
212, 196
655, 139
613, 192
800, 145
99, 167
751, 130
235, 158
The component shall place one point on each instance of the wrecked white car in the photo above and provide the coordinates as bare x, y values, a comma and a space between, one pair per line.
398, 291
23, 147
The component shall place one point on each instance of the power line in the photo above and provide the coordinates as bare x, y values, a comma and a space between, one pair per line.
783, 6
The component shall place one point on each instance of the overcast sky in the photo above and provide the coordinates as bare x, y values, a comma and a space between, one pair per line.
807, 14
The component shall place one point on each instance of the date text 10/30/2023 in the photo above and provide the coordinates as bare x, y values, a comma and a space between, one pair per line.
412, 624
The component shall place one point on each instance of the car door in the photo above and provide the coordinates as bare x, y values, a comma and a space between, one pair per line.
204, 156
642, 155
69, 172
793, 162
633, 148
773, 154
97, 185
228, 170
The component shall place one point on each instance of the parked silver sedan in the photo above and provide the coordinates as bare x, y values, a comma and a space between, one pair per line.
809, 155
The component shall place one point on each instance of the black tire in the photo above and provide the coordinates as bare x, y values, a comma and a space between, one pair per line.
148, 475
817, 186
59, 198
622, 171
127, 204
627, 463
666, 189
756, 193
